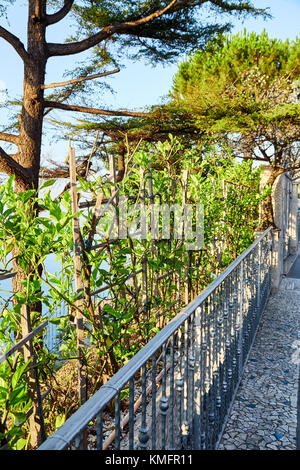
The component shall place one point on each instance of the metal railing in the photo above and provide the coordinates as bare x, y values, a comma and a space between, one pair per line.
177, 391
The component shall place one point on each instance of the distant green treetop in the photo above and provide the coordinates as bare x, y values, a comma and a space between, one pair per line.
244, 90
237, 80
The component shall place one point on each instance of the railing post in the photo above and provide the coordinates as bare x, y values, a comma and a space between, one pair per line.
258, 300
179, 389
172, 394
191, 411
276, 261
164, 402
143, 432
293, 232
240, 319
258, 273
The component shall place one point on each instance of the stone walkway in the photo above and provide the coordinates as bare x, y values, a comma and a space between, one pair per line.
264, 414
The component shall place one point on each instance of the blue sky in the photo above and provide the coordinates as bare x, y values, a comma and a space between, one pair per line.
137, 85
140, 85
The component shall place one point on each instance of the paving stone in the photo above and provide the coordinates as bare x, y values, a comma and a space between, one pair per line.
264, 414
272, 446
230, 447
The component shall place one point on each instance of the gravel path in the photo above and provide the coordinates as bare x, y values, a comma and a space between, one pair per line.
264, 414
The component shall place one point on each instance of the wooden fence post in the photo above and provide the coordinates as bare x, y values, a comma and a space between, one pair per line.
114, 191
185, 175
144, 261
154, 232
82, 388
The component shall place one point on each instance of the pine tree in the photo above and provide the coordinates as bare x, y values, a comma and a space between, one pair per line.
242, 90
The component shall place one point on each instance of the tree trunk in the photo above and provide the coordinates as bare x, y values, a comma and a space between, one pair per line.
31, 118
267, 213
29, 152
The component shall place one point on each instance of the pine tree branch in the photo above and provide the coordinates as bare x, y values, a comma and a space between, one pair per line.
83, 109
13, 139
10, 166
58, 16
106, 32
81, 79
229, 7
15, 42
127, 27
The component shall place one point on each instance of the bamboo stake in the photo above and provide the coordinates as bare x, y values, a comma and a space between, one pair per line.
114, 194
145, 289
95, 220
144, 259
185, 174
78, 279
154, 233
213, 186
114, 191
91, 154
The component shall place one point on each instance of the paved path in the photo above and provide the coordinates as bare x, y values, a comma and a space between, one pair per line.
264, 414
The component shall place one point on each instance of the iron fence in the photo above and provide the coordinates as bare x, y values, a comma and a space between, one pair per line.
176, 392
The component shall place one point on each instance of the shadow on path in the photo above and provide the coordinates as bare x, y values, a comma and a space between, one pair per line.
266, 411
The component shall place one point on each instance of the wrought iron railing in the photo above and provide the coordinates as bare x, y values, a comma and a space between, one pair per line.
176, 392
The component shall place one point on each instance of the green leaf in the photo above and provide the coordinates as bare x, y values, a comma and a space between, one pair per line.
55, 321
3, 391
19, 418
59, 421
155, 330
46, 184
21, 443
17, 375
109, 343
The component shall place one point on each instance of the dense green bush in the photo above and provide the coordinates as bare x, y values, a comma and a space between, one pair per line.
120, 319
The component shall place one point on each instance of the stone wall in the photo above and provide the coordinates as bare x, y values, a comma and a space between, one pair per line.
285, 235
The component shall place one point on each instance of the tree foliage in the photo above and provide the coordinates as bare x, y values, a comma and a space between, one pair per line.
160, 29
240, 82
244, 90
166, 35
124, 322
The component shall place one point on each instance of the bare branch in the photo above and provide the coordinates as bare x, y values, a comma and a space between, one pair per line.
10, 166
59, 170
15, 42
56, 17
13, 139
266, 157
253, 158
121, 28
83, 109
93, 149
81, 79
